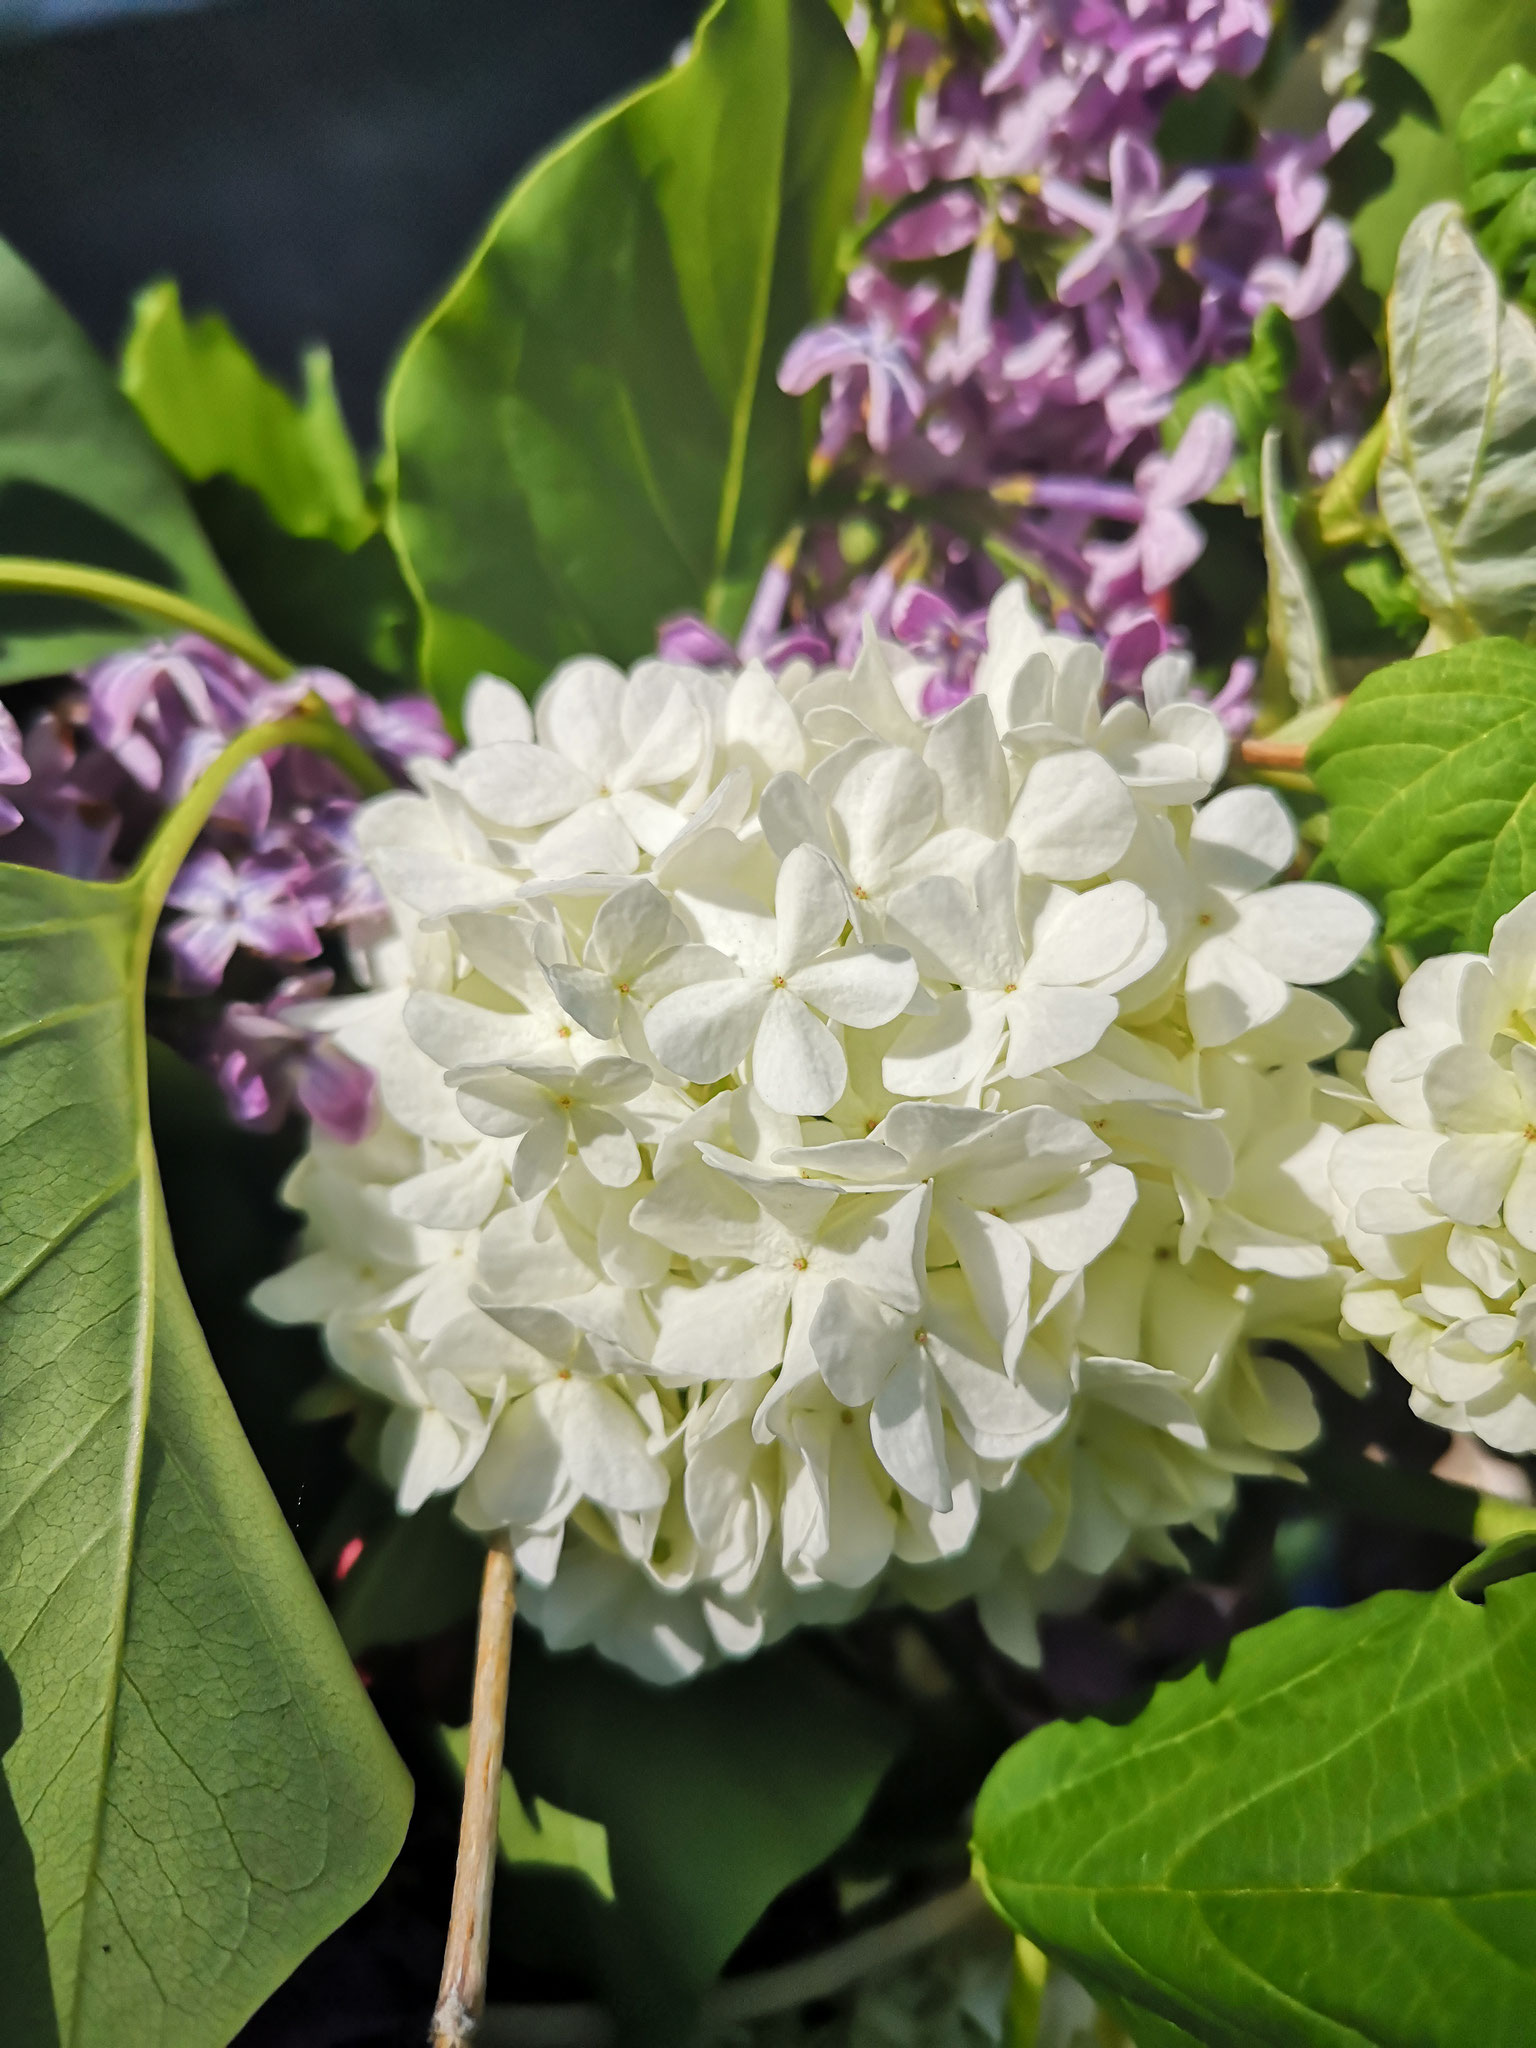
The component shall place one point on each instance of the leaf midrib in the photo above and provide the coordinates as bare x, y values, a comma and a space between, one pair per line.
137, 904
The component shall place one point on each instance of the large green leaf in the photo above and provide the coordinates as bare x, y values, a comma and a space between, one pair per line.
1430, 774
1330, 1845
1457, 482
1451, 49
278, 487
587, 433
197, 1790
715, 1796
80, 480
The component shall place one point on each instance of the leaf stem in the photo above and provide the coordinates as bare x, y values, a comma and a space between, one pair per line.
311, 726
461, 1995
131, 594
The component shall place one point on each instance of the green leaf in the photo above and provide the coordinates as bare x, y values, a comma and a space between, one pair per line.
714, 1795
202, 396
587, 433
82, 481
1497, 139
198, 1791
547, 1838
278, 488
1332, 1845
1451, 49
1298, 635
1457, 482
1252, 390
1430, 773
1379, 579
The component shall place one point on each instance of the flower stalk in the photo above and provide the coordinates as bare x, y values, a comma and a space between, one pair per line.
461, 1995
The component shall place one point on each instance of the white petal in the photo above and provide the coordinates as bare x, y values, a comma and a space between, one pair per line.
1227, 991
865, 986
887, 804
797, 1064
606, 1147
630, 929
964, 753
1241, 839
494, 711
703, 1031
1305, 931
1068, 1228
578, 714
604, 1443
1467, 1090
1047, 1026
725, 1330
593, 840
458, 1196
811, 908
1470, 1176
906, 1427
521, 786
1074, 817
586, 996
522, 1476
1088, 937
944, 1052
856, 1341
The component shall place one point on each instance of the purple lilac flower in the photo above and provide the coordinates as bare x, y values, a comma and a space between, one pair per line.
275, 869
258, 904
1031, 392
14, 768
267, 1060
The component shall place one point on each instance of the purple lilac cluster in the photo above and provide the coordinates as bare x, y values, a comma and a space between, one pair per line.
1092, 283
273, 872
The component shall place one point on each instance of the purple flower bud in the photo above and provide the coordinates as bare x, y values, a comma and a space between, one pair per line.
14, 768
257, 905
267, 1061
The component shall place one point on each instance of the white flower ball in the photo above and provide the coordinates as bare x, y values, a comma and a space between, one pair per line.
829, 1155
1441, 1191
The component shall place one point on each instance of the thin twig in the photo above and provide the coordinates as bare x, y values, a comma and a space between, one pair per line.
461, 1995
1274, 754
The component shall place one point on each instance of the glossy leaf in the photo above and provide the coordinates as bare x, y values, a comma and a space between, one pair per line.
1450, 50
1457, 482
81, 481
1497, 139
278, 488
214, 412
1298, 634
1430, 774
547, 1837
1330, 1845
198, 1791
587, 433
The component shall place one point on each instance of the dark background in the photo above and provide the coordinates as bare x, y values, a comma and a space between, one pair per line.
313, 169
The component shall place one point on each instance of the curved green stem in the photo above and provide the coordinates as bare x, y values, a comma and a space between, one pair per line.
129, 594
177, 831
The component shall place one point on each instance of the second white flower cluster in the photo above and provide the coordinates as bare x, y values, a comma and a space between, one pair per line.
829, 1152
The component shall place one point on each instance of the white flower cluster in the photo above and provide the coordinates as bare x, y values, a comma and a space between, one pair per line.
1441, 1194
829, 1154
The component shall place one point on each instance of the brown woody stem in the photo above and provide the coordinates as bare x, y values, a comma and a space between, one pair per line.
461, 1996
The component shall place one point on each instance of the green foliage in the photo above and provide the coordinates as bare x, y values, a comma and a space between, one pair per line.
1429, 772
1457, 482
1333, 1843
1497, 139
417, 1574
278, 488
197, 1789
1252, 390
80, 480
1379, 579
587, 434
1450, 51
545, 1837
714, 1795
1298, 633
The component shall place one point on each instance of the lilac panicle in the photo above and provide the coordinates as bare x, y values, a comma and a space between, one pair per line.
274, 870
1035, 288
